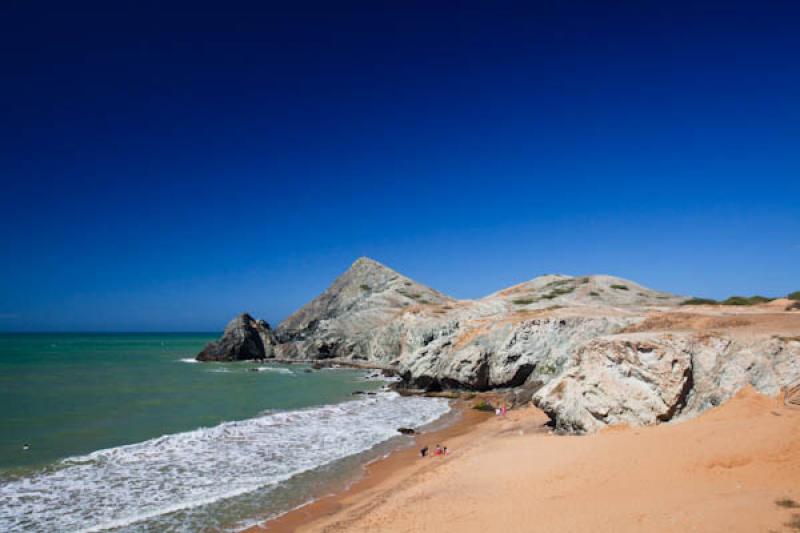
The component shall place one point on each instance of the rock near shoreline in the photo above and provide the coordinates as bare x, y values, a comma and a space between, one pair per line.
589, 350
244, 338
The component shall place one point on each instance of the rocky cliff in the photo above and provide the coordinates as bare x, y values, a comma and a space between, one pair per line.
590, 350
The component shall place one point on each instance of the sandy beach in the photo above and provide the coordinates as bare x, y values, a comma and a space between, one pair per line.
723, 471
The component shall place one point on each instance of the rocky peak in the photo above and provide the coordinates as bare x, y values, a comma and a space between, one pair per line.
367, 287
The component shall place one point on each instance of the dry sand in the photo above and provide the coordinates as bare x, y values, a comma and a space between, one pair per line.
723, 471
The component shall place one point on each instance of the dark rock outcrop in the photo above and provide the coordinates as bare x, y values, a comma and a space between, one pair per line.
244, 338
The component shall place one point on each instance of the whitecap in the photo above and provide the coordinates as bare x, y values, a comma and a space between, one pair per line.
277, 370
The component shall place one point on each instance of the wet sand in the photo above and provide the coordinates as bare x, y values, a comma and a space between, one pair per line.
376, 473
723, 471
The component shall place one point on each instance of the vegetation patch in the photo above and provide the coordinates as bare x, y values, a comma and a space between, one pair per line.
744, 300
483, 405
733, 300
547, 369
620, 287
412, 295
594, 293
699, 301
523, 301
555, 293
365, 287
558, 283
794, 296
787, 503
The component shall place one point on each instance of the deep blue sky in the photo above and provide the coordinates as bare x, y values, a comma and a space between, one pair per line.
164, 169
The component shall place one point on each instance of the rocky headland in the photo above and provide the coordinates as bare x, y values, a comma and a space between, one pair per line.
588, 350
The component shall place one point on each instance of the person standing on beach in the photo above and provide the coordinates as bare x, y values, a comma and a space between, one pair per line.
423, 452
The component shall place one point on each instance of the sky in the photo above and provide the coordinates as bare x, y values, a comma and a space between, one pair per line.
164, 168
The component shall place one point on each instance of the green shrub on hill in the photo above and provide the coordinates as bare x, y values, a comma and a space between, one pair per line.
744, 300
733, 300
620, 287
555, 293
700, 301
794, 296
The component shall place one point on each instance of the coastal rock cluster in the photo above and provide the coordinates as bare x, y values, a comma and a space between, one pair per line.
589, 350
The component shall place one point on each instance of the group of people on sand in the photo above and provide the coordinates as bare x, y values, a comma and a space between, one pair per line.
440, 450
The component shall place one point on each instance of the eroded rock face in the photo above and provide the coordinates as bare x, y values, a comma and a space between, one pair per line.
646, 378
244, 338
482, 357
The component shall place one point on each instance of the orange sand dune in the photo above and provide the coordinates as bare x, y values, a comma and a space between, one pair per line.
723, 471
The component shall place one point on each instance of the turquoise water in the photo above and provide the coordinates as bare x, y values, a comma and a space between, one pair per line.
69, 394
128, 433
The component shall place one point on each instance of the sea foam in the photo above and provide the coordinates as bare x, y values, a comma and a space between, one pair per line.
130, 484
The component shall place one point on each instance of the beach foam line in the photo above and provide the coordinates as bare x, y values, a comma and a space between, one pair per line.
277, 370
125, 485
188, 360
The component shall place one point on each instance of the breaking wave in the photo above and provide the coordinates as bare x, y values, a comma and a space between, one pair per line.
132, 484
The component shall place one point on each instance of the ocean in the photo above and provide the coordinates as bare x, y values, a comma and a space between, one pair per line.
125, 432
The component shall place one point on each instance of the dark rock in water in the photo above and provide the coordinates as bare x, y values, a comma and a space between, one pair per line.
317, 366
253, 369
358, 392
244, 338
308, 371
407, 431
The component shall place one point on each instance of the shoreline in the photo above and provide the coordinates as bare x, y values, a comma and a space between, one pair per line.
508, 473
378, 471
